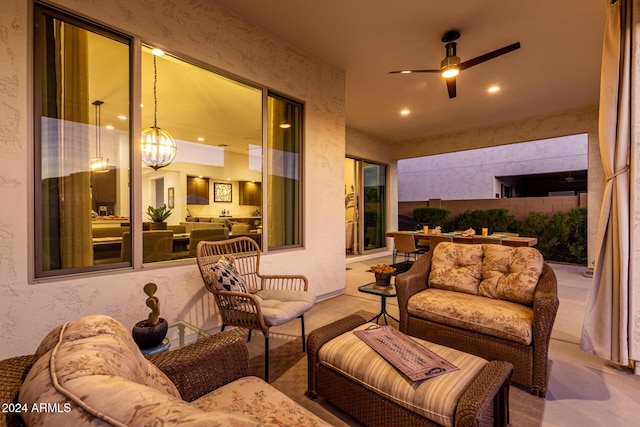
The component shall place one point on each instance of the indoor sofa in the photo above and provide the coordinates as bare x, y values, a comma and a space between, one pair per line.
89, 371
497, 302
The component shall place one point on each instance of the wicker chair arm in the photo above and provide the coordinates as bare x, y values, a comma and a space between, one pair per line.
292, 282
545, 303
205, 365
489, 388
320, 337
410, 283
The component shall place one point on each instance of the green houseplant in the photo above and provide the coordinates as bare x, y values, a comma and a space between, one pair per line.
158, 216
150, 332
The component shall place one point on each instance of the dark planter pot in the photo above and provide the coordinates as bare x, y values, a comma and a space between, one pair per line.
383, 280
149, 336
158, 226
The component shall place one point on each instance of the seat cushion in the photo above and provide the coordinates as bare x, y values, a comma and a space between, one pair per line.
510, 273
435, 398
254, 399
456, 267
503, 319
239, 228
279, 306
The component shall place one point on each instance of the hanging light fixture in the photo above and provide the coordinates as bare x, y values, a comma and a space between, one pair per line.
158, 146
98, 163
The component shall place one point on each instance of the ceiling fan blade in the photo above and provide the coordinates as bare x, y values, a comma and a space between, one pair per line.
451, 87
487, 56
413, 71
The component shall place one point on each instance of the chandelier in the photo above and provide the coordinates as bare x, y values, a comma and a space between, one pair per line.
98, 163
158, 146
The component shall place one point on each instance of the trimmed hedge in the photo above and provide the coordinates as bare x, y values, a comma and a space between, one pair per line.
493, 219
432, 217
562, 236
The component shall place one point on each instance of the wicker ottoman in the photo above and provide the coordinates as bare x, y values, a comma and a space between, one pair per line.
372, 391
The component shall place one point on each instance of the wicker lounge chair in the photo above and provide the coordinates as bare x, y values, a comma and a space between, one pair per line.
286, 296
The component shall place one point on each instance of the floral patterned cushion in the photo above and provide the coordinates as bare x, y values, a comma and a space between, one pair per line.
90, 372
510, 273
254, 399
456, 267
503, 319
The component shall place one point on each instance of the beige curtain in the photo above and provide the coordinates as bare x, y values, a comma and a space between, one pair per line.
606, 330
75, 179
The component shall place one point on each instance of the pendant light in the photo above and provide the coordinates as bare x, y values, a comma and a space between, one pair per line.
158, 146
98, 163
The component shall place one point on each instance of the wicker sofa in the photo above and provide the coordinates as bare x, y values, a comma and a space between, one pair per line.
494, 301
90, 372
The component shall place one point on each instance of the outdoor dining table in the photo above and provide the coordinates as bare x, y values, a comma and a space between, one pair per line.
499, 239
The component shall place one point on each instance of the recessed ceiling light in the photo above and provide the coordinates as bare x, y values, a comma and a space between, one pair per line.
122, 117
200, 139
405, 112
109, 127
157, 52
493, 89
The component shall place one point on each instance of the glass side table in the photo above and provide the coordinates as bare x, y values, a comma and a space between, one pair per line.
384, 292
180, 334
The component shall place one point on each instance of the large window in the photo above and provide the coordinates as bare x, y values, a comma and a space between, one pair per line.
212, 189
284, 174
82, 140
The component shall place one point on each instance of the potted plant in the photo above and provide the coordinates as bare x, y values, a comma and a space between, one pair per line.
158, 216
383, 273
149, 333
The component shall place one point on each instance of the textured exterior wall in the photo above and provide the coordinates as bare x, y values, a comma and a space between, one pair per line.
208, 33
471, 174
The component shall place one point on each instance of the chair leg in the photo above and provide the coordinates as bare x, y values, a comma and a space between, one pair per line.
266, 358
222, 328
304, 339
395, 253
249, 335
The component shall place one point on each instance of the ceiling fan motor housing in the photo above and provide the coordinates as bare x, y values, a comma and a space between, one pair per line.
449, 61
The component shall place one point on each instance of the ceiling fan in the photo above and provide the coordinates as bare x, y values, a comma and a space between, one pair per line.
451, 66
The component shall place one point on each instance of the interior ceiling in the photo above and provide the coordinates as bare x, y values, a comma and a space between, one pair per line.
557, 68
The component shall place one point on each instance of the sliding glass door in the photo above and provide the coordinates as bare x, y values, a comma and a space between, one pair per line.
374, 200
365, 206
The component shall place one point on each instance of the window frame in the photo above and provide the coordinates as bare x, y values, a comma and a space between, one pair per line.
136, 216
40, 10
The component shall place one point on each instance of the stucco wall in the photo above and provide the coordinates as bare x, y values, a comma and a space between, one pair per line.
471, 174
205, 32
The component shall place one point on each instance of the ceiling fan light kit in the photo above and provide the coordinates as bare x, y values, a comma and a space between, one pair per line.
451, 66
